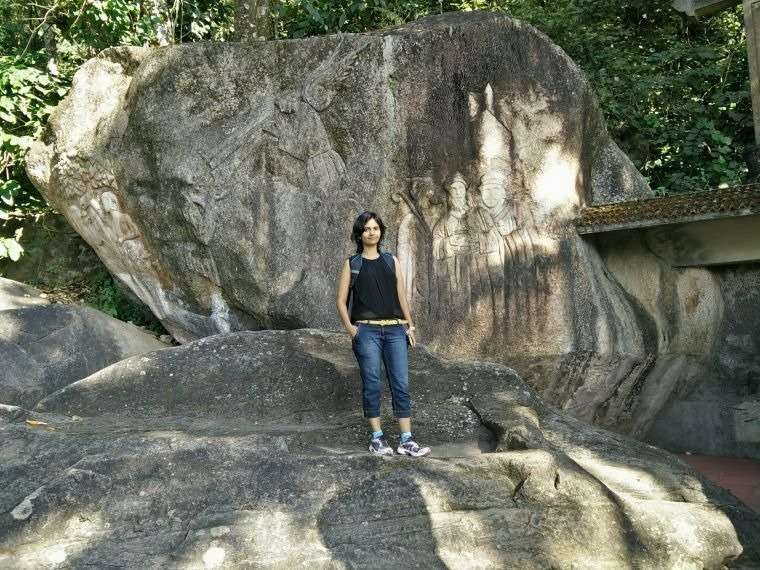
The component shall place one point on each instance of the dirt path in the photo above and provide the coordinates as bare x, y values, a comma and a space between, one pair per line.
740, 476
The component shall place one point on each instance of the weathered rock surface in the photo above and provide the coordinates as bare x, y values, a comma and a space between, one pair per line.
720, 415
247, 450
15, 295
219, 182
185, 168
679, 313
46, 347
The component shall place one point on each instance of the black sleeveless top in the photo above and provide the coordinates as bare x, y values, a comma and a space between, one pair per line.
375, 293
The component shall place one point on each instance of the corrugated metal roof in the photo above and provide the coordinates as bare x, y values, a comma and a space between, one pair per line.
679, 208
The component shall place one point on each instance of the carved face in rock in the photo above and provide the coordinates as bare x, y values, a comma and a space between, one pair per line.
109, 201
493, 190
457, 192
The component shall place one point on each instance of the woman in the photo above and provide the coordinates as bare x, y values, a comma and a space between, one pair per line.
380, 326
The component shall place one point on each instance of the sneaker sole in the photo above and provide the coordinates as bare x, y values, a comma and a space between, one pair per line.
373, 452
421, 453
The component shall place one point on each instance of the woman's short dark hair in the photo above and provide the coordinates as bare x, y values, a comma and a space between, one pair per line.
361, 221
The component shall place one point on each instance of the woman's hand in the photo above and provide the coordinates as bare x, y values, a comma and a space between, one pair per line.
353, 331
412, 338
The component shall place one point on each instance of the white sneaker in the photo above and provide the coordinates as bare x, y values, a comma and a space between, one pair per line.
411, 449
378, 446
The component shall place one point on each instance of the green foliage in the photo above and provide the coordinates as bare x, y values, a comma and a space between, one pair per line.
302, 18
10, 248
675, 93
106, 296
41, 47
27, 96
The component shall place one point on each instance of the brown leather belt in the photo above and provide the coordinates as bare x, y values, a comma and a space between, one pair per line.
384, 322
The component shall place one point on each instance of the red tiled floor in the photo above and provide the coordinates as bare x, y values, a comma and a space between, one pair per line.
740, 476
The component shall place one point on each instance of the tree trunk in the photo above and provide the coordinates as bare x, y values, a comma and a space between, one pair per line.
165, 27
51, 49
253, 20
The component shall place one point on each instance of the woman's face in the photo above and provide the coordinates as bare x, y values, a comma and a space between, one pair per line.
371, 233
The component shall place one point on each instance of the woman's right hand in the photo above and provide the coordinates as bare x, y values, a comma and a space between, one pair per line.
353, 331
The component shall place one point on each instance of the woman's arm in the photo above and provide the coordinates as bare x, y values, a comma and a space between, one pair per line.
344, 282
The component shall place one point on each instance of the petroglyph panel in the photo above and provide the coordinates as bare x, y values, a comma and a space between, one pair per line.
220, 182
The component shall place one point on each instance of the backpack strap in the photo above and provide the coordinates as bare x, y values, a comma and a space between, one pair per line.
355, 263
388, 259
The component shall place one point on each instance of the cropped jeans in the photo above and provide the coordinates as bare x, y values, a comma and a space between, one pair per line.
376, 344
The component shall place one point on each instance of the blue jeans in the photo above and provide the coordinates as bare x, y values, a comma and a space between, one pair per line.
376, 344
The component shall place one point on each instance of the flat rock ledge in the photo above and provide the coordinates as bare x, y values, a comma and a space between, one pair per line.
247, 450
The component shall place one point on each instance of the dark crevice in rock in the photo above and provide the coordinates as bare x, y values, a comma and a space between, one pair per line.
638, 385
518, 488
496, 431
174, 554
633, 381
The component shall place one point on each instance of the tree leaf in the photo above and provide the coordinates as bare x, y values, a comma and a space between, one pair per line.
14, 249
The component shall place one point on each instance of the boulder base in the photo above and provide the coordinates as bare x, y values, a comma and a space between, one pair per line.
249, 449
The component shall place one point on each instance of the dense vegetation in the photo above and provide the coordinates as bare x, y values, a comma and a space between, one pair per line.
675, 92
42, 44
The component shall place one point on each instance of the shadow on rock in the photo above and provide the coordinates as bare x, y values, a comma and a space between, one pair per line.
249, 449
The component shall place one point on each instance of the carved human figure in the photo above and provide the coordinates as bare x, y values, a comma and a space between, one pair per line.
495, 199
419, 214
503, 258
486, 227
93, 209
452, 246
302, 135
494, 166
297, 124
489, 251
450, 235
122, 228
407, 247
429, 209
103, 234
283, 135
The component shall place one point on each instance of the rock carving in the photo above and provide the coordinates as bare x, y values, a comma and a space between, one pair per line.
475, 137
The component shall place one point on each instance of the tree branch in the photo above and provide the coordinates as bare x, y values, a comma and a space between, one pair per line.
42, 23
79, 15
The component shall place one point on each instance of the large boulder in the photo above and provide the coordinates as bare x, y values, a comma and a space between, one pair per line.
46, 347
219, 182
720, 414
15, 295
248, 449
